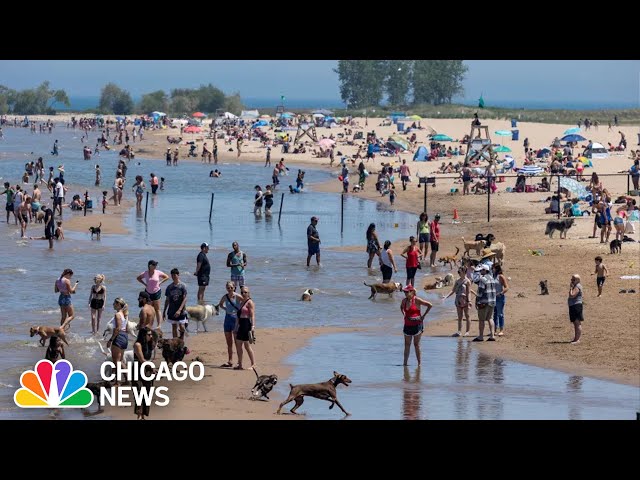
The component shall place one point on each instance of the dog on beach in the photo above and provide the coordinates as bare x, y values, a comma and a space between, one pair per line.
173, 350
615, 246
323, 391
561, 225
201, 313
448, 280
476, 245
486, 238
132, 328
94, 387
55, 350
452, 260
544, 290
96, 231
48, 332
306, 295
437, 283
383, 288
499, 249
264, 384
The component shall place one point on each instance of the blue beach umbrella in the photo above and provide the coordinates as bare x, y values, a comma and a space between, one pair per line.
503, 133
531, 170
571, 131
502, 149
441, 137
573, 138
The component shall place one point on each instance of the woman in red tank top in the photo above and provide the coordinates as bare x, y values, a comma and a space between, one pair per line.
413, 321
412, 253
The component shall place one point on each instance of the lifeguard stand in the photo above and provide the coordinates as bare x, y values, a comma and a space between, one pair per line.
306, 128
480, 146
279, 110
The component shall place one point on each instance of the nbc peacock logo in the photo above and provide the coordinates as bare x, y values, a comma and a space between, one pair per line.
53, 386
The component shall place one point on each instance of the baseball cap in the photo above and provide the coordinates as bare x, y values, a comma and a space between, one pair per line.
483, 266
314, 218
437, 215
204, 244
408, 288
152, 262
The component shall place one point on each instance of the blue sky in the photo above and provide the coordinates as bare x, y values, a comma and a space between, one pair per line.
497, 80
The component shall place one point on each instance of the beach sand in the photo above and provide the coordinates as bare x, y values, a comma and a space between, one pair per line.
224, 393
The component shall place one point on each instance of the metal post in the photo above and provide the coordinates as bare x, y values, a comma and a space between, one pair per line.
425, 197
489, 198
280, 212
341, 213
558, 196
146, 205
628, 189
86, 195
211, 206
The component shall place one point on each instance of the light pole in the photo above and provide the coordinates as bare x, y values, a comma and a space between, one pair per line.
366, 119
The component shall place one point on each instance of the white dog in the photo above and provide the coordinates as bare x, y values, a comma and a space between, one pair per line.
201, 313
448, 280
132, 329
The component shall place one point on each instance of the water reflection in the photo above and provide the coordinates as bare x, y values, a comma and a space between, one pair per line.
574, 389
461, 375
490, 371
411, 394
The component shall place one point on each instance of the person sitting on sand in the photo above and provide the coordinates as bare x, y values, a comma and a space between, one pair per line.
544, 185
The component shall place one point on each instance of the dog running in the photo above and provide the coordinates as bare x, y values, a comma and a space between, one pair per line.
96, 231
323, 391
452, 260
264, 384
46, 332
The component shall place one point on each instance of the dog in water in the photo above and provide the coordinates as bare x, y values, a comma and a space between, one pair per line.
561, 225
437, 283
615, 246
452, 260
48, 332
55, 350
383, 288
306, 295
96, 231
264, 384
448, 280
544, 290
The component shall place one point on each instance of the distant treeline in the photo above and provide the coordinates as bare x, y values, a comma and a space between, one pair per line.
365, 83
115, 100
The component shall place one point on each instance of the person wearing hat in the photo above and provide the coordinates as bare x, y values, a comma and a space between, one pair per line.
152, 278
434, 239
203, 269
485, 299
313, 241
413, 321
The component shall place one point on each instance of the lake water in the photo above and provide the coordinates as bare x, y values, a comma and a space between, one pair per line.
452, 383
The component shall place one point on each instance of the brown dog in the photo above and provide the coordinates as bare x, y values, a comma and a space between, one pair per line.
476, 245
383, 288
323, 391
55, 350
47, 332
438, 283
452, 260
499, 249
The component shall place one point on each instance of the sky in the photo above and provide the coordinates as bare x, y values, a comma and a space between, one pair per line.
497, 80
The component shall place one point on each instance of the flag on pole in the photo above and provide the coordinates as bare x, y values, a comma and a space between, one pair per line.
282, 98
481, 102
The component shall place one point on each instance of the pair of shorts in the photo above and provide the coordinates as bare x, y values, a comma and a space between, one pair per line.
155, 296
239, 279
121, 341
64, 300
404, 178
203, 281
244, 328
423, 238
413, 330
434, 246
575, 313
314, 248
9, 207
57, 201
154, 188
411, 272
485, 313
600, 281
387, 272
97, 304
229, 323
182, 321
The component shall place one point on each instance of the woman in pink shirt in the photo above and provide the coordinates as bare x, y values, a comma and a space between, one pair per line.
152, 279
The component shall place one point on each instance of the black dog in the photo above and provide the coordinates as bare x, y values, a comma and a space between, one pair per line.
264, 384
561, 225
544, 290
615, 246
627, 239
95, 389
487, 239
96, 231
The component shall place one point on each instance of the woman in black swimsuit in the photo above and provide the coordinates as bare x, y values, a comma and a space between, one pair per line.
97, 299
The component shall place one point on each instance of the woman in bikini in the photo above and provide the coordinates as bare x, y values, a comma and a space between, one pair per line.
65, 289
245, 327
413, 321
139, 188
373, 244
97, 300
462, 290
230, 303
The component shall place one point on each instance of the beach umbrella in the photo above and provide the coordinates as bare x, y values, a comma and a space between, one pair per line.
503, 133
575, 187
395, 145
198, 115
400, 141
543, 152
502, 149
266, 117
192, 129
573, 138
323, 111
531, 170
441, 137
415, 117
158, 114
281, 134
326, 143
260, 123
572, 130
286, 115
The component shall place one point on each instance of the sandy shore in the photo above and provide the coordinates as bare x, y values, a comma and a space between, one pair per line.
223, 394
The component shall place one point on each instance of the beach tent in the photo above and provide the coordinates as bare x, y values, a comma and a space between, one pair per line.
249, 114
260, 123
421, 155
597, 150
322, 112
228, 115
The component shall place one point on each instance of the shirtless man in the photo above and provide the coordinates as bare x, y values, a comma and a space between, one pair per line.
147, 312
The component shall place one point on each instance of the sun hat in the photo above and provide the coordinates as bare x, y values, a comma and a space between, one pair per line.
486, 253
409, 288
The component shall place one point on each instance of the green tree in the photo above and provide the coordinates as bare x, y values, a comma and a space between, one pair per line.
361, 82
209, 98
398, 81
157, 101
37, 100
233, 104
437, 81
114, 99
182, 105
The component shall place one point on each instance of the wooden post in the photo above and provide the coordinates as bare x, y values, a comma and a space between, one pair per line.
341, 214
86, 195
146, 205
211, 206
558, 196
425, 198
489, 198
280, 212
628, 188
